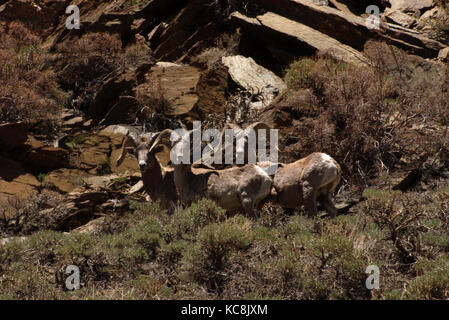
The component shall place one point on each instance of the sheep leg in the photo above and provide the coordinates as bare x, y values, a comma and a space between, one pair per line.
248, 206
309, 194
327, 198
326, 201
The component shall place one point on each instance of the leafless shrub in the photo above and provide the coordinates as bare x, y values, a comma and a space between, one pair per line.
364, 116
152, 100
239, 109
24, 216
404, 223
29, 90
98, 56
225, 45
223, 8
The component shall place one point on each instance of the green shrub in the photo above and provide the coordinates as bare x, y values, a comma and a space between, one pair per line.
299, 74
205, 261
432, 282
185, 224
136, 245
41, 177
218, 239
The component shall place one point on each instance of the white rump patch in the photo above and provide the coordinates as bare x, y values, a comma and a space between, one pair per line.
263, 171
326, 157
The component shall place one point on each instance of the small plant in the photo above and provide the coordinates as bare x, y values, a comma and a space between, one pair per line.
432, 282
105, 166
225, 45
299, 75
41, 177
75, 140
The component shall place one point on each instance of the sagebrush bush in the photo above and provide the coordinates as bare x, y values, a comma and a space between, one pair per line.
432, 281
188, 222
216, 242
299, 74
198, 252
363, 116
225, 45
153, 100
97, 57
29, 89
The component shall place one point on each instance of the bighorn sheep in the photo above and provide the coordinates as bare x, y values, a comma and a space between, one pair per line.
301, 182
233, 188
305, 181
158, 180
242, 154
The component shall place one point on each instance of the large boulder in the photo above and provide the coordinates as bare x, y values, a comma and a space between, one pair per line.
190, 31
116, 133
254, 78
411, 5
45, 159
121, 111
95, 154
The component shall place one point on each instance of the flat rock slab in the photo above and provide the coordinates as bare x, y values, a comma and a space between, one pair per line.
99, 182
254, 78
129, 164
310, 38
66, 180
77, 121
349, 28
177, 84
91, 226
410, 5
399, 18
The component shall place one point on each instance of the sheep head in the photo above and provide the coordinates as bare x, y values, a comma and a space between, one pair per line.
145, 148
245, 140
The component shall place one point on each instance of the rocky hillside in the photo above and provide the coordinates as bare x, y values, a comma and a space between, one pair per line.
376, 99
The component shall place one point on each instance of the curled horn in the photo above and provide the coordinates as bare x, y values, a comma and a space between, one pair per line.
161, 139
129, 142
